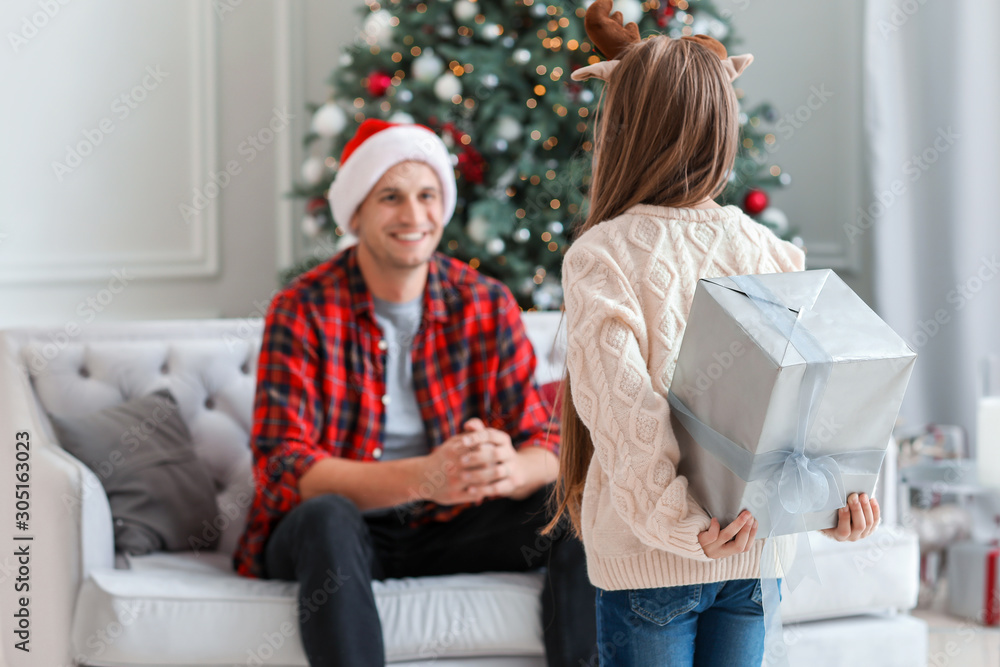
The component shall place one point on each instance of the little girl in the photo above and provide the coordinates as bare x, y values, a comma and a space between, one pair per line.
673, 587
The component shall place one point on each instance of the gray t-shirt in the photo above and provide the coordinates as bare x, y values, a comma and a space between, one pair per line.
404, 434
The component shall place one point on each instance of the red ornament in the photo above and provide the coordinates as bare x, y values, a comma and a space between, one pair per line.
755, 202
664, 15
378, 83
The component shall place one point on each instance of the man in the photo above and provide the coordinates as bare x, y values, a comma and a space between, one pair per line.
397, 428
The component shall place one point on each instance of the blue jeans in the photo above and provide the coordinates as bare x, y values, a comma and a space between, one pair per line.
682, 626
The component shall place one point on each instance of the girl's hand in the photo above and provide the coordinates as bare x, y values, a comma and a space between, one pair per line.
735, 538
859, 519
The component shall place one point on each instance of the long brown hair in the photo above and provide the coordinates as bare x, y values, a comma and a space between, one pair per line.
667, 135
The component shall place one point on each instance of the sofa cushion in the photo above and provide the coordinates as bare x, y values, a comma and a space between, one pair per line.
159, 491
870, 575
225, 619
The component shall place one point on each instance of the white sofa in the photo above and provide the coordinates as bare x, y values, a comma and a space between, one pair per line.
191, 609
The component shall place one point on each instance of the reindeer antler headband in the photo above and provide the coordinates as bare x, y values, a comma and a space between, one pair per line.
610, 37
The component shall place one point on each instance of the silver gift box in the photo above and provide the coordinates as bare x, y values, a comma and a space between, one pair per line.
737, 373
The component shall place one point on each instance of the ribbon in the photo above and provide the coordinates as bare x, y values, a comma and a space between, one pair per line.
797, 482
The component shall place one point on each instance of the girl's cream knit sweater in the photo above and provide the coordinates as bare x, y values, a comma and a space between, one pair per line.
628, 285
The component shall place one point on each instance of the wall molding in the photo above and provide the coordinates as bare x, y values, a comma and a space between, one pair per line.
201, 258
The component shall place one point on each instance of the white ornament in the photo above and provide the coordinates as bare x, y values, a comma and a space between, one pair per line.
495, 246
508, 128
465, 11
556, 227
774, 218
310, 226
346, 60
491, 80
631, 10
586, 96
377, 28
522, 56
329, 120
490, 31
312, 170
548, 295
785, 179
478, 229
401, 117
522, 235
447, 86
427, 67
404, 95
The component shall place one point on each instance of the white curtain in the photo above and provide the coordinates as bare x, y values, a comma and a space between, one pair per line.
932, 117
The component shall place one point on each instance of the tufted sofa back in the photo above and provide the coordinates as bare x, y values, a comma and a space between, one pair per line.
210, 366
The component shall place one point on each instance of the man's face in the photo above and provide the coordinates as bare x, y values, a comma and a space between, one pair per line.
399, 222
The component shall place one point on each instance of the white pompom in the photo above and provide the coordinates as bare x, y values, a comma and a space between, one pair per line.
329, 120
427, 67
447, 86
347, 240
478, 229
465, 10
312, 170
508, 129
774, 218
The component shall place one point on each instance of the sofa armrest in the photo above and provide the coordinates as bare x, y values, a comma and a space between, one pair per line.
69, 523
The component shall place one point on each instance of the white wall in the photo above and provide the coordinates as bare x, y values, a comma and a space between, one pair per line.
230, 64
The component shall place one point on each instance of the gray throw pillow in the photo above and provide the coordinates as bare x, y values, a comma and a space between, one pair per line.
161, 495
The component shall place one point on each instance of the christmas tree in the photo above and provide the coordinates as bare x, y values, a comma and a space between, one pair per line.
492, 77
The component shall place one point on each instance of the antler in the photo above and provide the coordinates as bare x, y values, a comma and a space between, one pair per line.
606, 30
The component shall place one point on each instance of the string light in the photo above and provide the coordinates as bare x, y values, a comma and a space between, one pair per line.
532, 103
474, 262
536, 135
775, 170
748, 143
573, 45
553, 246
453, 244
541, 70
535, 180
768, 138
555, 204
415, 51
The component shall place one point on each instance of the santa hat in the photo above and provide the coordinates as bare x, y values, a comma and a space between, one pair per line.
375, 149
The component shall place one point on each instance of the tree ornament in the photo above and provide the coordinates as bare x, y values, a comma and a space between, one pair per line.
377, 28
329, 120
508, 129
755, 202
774, 218
401, 117
404, 95
310, 226
491, 80
631, 10
522, 235
490, 31
465, 11
495, 246
499, 145
555, 227
522, 56
478, 229
378, 83
313, 170
447, 86
427, 67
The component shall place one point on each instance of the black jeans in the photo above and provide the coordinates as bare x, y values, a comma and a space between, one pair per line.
334, 553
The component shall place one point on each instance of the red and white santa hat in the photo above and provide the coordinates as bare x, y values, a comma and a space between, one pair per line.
375, 149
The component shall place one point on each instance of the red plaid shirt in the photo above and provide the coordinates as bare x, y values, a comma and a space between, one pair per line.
321, 378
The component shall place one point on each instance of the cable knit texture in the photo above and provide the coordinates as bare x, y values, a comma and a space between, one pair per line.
628, 285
